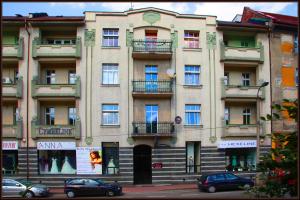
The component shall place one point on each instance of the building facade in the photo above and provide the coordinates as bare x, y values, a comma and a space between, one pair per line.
162, 97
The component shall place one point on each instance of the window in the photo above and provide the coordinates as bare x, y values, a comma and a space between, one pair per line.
192, 157
230, 177
219, 177
246, 116
192, 114
72, 116
110, 114
245, 79
244, 44
61, 41
226, 78
110, 153
240, 159
110, 37
226, 115
50, 76
191, 39
77, 182
90, 182
50, 116
296, 77
110, 74
72, 77
192, 75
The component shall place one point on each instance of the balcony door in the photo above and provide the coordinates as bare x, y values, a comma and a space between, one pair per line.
151, 118
151, 39
151, 78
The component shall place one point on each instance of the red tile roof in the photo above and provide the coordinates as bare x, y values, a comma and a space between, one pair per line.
281, 19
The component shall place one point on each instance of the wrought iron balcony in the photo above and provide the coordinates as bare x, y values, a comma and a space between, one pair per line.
162, 88
145, 129
160, 49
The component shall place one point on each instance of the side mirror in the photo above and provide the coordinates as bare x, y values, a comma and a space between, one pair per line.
18, 185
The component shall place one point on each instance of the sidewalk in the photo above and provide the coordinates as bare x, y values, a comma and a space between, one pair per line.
144, 188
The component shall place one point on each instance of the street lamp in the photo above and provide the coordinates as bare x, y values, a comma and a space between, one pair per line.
264, 84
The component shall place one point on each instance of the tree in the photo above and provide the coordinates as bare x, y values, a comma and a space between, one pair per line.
279, 168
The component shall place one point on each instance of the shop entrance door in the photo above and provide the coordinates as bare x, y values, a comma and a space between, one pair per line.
142, 167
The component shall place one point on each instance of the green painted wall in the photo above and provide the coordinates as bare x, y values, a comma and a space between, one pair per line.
239, 40
10, 38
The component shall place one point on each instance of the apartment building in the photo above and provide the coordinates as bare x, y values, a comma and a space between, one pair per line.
143, 89
283, 36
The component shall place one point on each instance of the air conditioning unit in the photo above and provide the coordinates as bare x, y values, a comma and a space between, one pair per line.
6, 80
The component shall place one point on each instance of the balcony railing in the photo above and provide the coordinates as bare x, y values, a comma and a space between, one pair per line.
242, 130
153, 129
242, 92
42, 48
41, 89
13, 50
13, 130
152, 45
239, 53
13, 89
163, 86
55, 131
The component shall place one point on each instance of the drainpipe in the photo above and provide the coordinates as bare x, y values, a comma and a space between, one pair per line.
27, 101
270, 60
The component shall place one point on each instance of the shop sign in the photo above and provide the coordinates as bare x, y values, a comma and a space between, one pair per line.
56, 145
9, 145
55, 131
89, 160
237, 144
157, 165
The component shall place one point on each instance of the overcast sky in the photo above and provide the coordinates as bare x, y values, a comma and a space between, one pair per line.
224, 11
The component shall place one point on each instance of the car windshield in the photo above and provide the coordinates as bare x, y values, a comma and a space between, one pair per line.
100, 181
25, 182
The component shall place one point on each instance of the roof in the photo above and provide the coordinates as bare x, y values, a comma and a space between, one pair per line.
222, 25
282, 19
48, 18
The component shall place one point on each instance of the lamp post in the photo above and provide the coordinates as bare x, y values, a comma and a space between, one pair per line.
264, 84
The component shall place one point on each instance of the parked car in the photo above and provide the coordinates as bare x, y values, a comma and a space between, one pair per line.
90, 187
14, 188
223, 181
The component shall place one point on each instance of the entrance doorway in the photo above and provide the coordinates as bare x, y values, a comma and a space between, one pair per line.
142, 164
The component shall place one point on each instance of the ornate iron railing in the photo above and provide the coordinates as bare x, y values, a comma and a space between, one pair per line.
163, 86
154, 128
152, 45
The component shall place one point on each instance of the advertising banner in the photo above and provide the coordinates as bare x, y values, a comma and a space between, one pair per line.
237, 144
89, 160
9, 145
56, 145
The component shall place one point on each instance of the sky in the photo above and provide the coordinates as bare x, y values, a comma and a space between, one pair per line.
223, 11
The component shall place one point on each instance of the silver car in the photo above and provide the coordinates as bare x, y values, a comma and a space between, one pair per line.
13, 188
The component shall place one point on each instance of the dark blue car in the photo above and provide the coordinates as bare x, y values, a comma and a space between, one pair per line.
90, 187
223, 181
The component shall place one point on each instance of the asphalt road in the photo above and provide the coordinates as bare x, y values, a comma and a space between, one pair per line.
182, 194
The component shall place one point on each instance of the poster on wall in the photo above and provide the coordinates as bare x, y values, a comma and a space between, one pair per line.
89, 160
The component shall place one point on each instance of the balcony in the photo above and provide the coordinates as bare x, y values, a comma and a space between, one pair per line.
152, 49
152, 89
13, 130
242, 130
40, 89
13, 50
13, 89
160, 129
239, 92
238, 53
55, 131
42, 49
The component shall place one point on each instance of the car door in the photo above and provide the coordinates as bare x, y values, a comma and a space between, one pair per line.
220, 182
14, 188
92, 187
233, 182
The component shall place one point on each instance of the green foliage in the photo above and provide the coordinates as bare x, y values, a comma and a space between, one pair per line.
279, 167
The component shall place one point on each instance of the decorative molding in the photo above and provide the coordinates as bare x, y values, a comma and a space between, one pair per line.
151, 17
211, 40
89, 140
174, 38
130, 140
212, 139
129, 38
89, 37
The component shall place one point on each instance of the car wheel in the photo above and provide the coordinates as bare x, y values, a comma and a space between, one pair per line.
70, 194
246, 186
211, 189
28, 194
110, 193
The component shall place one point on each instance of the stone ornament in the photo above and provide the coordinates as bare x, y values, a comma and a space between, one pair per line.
211, 40
89, 37
151, 17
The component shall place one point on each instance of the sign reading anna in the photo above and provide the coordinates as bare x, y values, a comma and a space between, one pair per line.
56, 146
237, 144
55, 131
9, 145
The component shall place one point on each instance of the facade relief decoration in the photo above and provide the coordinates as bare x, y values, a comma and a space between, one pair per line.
89, 37
129, 38
151, 17
211, 40
174, 38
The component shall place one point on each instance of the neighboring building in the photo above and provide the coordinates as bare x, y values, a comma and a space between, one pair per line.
284, 58
145, 87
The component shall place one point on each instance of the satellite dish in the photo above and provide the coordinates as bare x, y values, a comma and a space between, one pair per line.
171, 73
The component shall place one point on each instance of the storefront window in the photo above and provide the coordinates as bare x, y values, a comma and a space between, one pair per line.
57, 162
110, 153
192, 157
240, 159
10, 161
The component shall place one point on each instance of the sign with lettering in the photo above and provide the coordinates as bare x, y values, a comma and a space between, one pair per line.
157, 165
89, 160
55, 131
236, 144
56, 146
9, 145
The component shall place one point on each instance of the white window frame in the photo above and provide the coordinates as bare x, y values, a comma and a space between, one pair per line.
192, 111
52, 76
49, 113
110, 36
186, 73
192, 39
73, 114
226, 80
110, 69
246, 113
227, 115
111, 111
245, 79
72, 77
